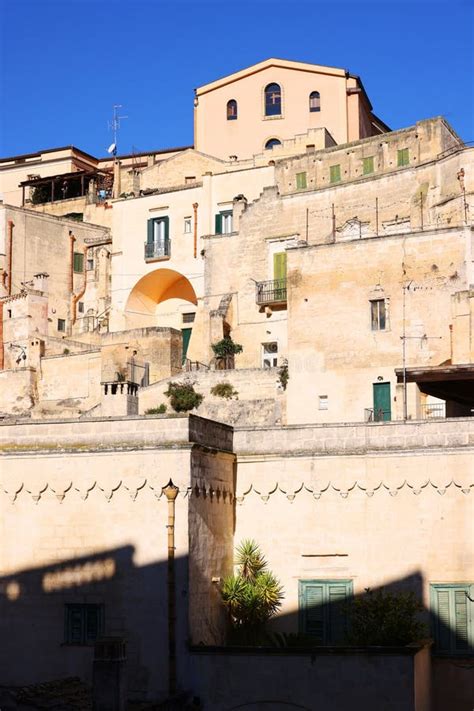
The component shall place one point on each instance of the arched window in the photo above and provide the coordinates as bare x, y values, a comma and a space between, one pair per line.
272, 142
272, 100
231, 110
314, 101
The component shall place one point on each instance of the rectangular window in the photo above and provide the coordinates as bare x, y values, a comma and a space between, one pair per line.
78, 263
188, 225
80, 307
368, 165
189, 179
61, 324
378, 315
300, 181
158, 241
189, 318
84, 623
403, 157
334, 173
323, 610
452, 613
224, 222
90, 264
270, 355
323, 402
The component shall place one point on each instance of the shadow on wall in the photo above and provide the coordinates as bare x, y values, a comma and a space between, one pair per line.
51, 615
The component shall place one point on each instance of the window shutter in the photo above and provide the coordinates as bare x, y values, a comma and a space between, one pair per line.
218, 224
150, 231
279, 265
78, 262
313, 611
443, 620
74, 624
92, 623
338, 595
166, 221
461, 621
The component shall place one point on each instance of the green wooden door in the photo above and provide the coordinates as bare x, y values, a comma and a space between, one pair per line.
279, 265
186, 338
382, 402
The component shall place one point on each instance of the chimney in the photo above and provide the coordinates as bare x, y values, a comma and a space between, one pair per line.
40, 282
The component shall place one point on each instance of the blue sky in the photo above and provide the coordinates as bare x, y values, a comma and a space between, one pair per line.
64, 64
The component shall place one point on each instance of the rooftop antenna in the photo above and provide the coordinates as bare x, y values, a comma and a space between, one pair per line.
114, 126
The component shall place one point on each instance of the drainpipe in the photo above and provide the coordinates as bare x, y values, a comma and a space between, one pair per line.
171, 492
1, 337
195, 208
71, 261
76, 297
11, 225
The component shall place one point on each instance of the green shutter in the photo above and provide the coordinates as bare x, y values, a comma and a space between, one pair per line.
300, 181
334, 173
313, 620
461, 620
323, 609
403, 157
368, 165
452, 624
443, 621
218, 224
150, 230
78, 262
338, 594
166, 220
186, 338
279, 265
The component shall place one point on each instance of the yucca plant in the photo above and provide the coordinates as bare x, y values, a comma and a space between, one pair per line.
252, 596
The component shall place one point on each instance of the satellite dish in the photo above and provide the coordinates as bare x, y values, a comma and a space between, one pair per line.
112, 148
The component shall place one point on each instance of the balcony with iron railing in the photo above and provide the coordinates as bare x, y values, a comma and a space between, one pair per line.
271, 293
155, 250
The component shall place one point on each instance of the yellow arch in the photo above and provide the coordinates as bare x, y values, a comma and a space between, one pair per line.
157, 286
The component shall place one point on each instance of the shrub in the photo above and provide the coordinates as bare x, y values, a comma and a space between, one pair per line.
385, 618
160, 410
283, 375
226, 347
252, 596
225, 390
183, 397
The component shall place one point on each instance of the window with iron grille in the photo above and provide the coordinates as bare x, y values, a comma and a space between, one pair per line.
189, 318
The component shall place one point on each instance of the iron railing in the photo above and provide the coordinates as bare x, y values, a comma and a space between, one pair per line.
271, 292
432, 411
379, 415
193, 365
155, 251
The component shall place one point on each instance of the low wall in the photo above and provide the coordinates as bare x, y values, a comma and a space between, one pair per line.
331, 679
69, 384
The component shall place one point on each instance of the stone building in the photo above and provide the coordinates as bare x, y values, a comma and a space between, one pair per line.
340, 255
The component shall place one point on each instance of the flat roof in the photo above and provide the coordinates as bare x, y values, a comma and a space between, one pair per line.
47, 150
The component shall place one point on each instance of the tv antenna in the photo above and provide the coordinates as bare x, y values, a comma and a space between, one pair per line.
114, 126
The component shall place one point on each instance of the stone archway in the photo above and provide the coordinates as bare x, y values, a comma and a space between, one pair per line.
152, 290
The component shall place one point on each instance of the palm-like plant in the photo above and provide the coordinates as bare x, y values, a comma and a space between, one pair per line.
254, 594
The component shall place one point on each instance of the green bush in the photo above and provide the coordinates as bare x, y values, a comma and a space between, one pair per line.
226, 347
160, 410
225, 390
252, 596
385, 618
183, 397
283, 375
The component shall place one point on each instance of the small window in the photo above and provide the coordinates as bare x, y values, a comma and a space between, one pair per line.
300, 181
189, 317
224, 222
323, 610
78, 263
334, 173
90, 264
452, 613
272, 142
272, 100
231, 110
189, 179
270, 355
368, 165
61, 324
314, 101
84, 623
378, 315
403, 157
80, 307
9, 312
187, 225
323, 402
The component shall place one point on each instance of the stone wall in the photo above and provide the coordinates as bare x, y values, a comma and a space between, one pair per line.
17, 391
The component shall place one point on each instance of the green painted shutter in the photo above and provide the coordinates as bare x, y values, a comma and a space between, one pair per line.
461, 620
338, 594
78, 262
166, 221
300, 181
218, 224
368, 165
403, 157
150, 230
443, 621
186, 338
335, 173
313, 620
279, 265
